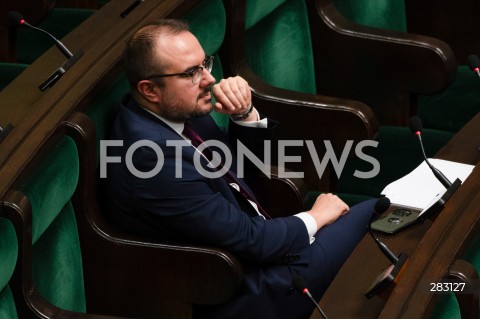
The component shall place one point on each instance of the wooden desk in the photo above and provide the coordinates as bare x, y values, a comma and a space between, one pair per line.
431, 246
36, 115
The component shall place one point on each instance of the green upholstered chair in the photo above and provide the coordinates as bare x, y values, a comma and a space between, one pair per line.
150, 271
8, 257
49, 279
278, 49
136, 275
452, 107
277, 62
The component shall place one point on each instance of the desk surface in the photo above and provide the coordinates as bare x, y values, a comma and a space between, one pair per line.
425, 244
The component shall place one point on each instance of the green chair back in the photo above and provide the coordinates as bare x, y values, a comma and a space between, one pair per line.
383, 14
449, 109
8, 257
56, 257
207, 22
278, 45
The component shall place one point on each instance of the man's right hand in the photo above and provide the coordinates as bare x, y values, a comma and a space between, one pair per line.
327, 209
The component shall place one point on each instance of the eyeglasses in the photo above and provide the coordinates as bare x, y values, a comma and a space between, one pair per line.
195, 73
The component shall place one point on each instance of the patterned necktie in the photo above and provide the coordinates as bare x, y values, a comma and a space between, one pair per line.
230, 177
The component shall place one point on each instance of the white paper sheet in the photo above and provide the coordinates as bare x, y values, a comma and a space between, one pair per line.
420, 188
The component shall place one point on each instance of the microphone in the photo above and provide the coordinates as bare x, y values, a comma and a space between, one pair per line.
392, 272
474, 63
16, 19
416, 128
301, 286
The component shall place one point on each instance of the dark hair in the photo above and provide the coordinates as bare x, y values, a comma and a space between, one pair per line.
139, 56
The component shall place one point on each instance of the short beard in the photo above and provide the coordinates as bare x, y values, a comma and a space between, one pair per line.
177, 112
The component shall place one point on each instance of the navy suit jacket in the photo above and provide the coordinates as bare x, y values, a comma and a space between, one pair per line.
193, 208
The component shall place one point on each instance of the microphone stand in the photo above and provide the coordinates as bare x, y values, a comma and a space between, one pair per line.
55, 76
389, 274
4, 131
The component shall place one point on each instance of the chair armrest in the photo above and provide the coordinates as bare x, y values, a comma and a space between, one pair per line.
132, 275
380, 67
308, 117
465, 273
280, 196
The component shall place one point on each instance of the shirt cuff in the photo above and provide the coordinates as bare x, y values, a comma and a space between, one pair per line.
263, 123
310, 223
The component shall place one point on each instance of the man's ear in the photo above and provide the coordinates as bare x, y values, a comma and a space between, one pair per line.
149, 90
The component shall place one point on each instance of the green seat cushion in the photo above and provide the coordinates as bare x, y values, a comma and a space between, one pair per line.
446, 307
398, 153
57, 263
279, 49
7, 304
31, 44
452, 108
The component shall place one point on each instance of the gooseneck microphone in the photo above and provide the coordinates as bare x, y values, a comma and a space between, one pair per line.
416, 128
301, 286
398, 264
474, 64
16, 19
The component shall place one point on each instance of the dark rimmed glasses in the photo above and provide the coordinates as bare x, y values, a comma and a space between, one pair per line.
195, 73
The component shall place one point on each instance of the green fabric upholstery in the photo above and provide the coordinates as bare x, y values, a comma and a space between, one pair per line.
452, 108
279, 49
103, 110
383, 14
447, 305
258, 9
52, 185
448, 110
9, 71
31, 44
208, 22
8, 259
56, 264
398, 153
7, 304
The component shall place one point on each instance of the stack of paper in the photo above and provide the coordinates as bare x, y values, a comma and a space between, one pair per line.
420, 188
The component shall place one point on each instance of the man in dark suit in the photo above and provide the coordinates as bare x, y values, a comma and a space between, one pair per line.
166, 187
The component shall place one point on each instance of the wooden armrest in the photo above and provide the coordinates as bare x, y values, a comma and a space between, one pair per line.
280, 196
373, 65
136, 276
463, 272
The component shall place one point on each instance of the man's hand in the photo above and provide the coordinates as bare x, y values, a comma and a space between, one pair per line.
327, 209
233, 96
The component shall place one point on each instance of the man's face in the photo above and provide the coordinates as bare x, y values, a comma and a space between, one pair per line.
179, 98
